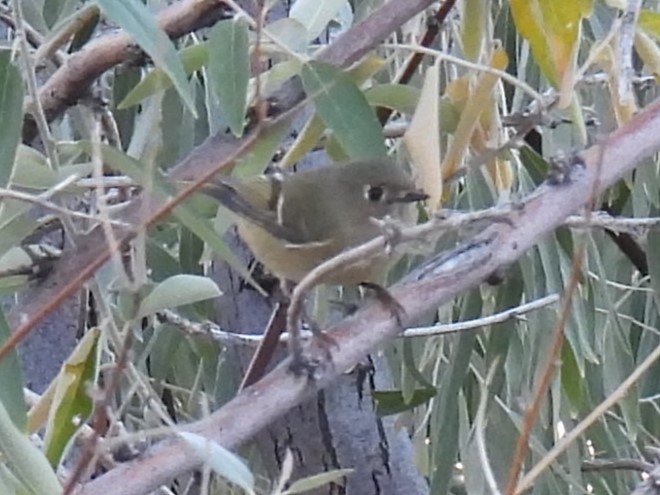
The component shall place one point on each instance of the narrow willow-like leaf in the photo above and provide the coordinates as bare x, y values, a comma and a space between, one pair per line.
11, 114
422, 139
192, 58
177, 291
139, 22
398, 97
222, 461
444, 419
344, 109
71, 400
11, 379
315, 15
552, 29
27, 463
308, 484
229, 67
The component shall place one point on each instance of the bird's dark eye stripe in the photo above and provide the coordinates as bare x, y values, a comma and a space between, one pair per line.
374, 193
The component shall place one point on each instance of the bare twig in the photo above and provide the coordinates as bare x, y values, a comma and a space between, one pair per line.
551, 364
480, 428
101, 255
44, 203
624, 52
215, 332
71, 81
438, 281
611, 464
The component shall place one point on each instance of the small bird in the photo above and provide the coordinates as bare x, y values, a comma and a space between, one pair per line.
293, 222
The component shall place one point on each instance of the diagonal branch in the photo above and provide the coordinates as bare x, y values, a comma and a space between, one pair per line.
73, 79
78, 264
436, 282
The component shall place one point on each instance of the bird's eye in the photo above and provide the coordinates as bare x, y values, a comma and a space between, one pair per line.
374, 193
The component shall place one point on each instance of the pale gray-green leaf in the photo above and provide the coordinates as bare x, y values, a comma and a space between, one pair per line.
27, 462
344, 109
134, 17
315, 15
177, 291
229, 67
11, 114
316, 481
221, 460
11, 379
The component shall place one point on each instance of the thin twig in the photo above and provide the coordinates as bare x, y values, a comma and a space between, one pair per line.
215, 331
439, 281
436, 225
624, 51
505, 76
44, 203
611, 464
547, 375
480, 427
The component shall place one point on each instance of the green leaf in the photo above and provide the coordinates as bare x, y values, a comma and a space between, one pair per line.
229, 67
11, 114
178, 291
71, 402
412, 377
8, 482
393, 402
344, 109
32, 171
201, 227
305, 485
260, 155
290, 33
221, 460
571, 381
15, 224
27, 463
649, 22
11, 379
192, 57
315, 15
134, 17
398, 97
444, 415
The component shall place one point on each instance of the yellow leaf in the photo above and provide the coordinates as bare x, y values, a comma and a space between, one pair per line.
473, 27
479, 100
649, 22
552, 28
649, 52
422, 139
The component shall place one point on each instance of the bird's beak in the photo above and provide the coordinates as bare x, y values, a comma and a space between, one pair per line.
409, 196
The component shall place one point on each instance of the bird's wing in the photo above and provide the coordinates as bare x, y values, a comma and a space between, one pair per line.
258, 210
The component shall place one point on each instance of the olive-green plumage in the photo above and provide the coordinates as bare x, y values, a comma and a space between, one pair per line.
294, 222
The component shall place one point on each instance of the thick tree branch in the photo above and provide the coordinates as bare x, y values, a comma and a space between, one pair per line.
91, 251
72, 80
436, 282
